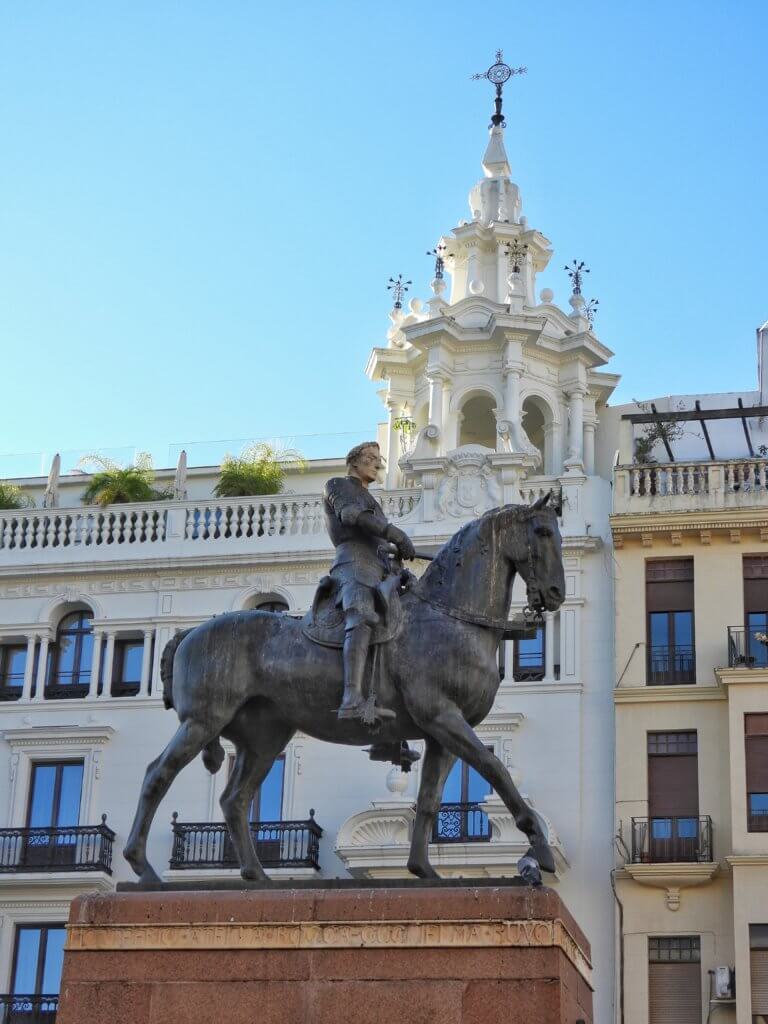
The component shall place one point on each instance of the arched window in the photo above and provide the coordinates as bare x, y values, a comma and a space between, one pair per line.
69, 665
533, 425
266, 603
478, 422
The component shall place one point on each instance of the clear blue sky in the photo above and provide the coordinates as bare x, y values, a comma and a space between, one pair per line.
201, 202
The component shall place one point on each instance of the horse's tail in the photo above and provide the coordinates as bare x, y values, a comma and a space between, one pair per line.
213, 752
166, 666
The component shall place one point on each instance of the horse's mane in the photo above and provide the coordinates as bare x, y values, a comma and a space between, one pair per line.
448, 557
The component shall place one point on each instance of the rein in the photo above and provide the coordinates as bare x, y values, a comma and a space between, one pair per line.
467, 616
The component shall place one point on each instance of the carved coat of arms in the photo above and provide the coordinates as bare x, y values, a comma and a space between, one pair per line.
469, 486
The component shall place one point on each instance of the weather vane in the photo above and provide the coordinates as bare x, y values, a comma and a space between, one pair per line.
497, 74
516, 254
398, 288
590, 309
438, 252
575, 271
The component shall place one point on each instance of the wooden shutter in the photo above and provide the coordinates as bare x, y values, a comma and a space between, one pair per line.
756, 741
674, 993
673, 786
755, 584
669, 585
758, 966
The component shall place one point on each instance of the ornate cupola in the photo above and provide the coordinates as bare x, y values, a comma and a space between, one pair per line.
489, 388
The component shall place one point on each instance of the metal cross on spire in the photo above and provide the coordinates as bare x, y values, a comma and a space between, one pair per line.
398, 288
575, 271
498, 74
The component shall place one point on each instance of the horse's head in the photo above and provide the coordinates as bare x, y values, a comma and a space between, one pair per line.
536, 550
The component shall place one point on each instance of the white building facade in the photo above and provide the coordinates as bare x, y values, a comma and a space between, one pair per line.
493, 395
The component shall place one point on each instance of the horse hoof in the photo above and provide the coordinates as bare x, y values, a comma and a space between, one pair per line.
542, 854
149, 876
425, 871
253, 875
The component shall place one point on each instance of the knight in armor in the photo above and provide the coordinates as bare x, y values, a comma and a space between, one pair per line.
363, 540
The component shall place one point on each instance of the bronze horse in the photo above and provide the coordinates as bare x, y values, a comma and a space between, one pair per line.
255, 679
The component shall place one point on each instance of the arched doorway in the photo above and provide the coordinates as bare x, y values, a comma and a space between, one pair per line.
478, 421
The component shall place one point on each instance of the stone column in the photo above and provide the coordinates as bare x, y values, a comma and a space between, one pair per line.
436, 381
42, 667
393, 448
29, 665
93, 689
589, 446
575, 458
109, 657
549, 647
146, 663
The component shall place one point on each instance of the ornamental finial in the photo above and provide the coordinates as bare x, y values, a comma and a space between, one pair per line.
498, 74
398, 287
516, 254
590, 309
575, 271
439, 253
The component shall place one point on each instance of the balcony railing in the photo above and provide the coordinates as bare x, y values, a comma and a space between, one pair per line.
279, 844
23, 1009
744, 649
677, 486
79, 848
669, 665
671, 840
461, 823
163, 528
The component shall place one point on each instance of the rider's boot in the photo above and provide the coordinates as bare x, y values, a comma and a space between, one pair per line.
356, 643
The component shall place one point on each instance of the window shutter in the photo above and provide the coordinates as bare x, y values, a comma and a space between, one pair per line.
759, 974
756, 740
673, 785
669, 585
674, 993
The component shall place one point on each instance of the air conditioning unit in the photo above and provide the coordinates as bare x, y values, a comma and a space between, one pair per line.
725, 982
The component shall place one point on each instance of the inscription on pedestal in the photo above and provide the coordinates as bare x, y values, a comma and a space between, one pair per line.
331, 935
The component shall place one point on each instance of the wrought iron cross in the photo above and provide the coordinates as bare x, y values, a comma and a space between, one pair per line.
498, 74
437, 252
398, 287
516, 254
575, 272
590, 309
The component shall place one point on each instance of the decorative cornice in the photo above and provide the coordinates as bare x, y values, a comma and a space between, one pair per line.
73, 882
58, 735
667, 694
737, 676
748, 860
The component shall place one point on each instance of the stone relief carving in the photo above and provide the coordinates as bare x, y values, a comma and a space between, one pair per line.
469, 486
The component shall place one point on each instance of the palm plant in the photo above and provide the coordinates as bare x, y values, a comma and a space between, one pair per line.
12, 497
114, 484
259, 469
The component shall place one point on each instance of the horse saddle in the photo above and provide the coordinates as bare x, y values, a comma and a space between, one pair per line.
324, 622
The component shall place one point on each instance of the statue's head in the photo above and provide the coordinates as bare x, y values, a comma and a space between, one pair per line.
365, 462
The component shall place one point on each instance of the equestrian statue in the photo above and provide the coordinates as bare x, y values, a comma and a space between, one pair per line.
381, 656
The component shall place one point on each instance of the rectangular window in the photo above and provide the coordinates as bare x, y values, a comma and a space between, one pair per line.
755, 608
37, 961
460, 819
673, 797
529, 657
758, 970
756, 751
126, 667
13, 660
674, 980
54, 813
669, 608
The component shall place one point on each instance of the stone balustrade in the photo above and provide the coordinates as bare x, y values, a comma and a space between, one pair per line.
170, 529
684, 486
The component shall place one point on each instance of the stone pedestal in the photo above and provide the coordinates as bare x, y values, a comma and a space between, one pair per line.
447, 953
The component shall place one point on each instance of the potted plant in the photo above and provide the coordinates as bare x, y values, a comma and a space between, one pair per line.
113, 484
259, 469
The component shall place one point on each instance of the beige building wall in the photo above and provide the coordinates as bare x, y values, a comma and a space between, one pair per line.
717, 900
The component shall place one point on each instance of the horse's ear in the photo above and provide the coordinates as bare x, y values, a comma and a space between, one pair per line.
542, 502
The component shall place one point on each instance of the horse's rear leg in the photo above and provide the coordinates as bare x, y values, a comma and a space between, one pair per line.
437, 764
188, 741
452, 730
259, 738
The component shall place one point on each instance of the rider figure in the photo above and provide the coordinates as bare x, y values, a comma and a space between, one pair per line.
360, 532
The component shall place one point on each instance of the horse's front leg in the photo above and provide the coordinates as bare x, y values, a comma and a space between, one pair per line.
435, 768
449, 727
